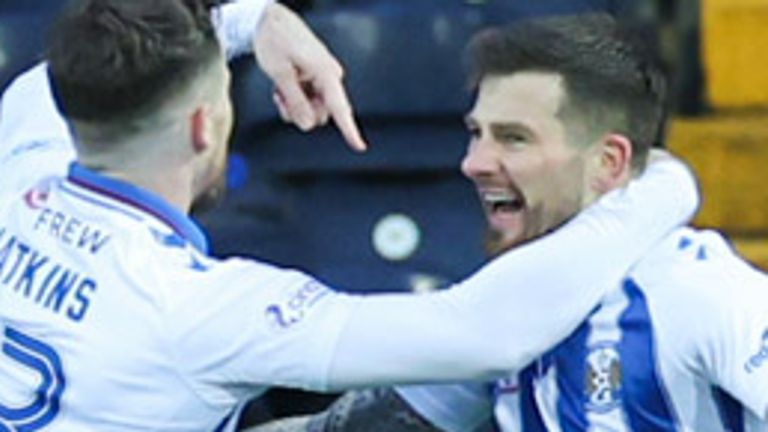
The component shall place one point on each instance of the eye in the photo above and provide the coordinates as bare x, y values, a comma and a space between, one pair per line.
513, 138
511, 134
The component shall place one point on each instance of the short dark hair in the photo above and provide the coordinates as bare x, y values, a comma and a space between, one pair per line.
111, 60
611, 82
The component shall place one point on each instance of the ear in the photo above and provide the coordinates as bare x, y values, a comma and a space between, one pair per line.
200, 128
614, 163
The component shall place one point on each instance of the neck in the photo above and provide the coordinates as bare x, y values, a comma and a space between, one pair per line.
151, 164
171, 185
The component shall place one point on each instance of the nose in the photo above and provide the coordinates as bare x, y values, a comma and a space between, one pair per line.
480, 160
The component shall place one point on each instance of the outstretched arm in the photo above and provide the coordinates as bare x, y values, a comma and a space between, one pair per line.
520, 304
511, 311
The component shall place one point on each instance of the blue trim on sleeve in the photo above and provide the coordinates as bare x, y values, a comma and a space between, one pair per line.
141, 199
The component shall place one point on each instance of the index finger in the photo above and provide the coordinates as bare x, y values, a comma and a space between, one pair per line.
338, 105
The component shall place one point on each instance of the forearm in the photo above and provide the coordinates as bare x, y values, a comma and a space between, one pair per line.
369, 410
519, 305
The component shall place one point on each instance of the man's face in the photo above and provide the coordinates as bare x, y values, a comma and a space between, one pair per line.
528, 174
220, 120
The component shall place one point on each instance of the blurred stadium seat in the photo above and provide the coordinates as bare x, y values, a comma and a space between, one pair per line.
729, 152
735, 36
333, 206
23, 28
729, 146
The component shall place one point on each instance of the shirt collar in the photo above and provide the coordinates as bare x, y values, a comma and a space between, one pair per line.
141, 199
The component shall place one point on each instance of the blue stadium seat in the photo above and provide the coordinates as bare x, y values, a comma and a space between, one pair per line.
403, 70
24, 25
18, 50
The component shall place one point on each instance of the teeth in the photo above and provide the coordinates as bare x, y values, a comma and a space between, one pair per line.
503, 201
498, 197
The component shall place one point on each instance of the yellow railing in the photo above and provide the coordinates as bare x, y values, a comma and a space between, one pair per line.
735, 52
730, 155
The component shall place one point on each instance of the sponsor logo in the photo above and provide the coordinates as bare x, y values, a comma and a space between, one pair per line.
602, 381
295, 308
760, 358
37, 197
30, 147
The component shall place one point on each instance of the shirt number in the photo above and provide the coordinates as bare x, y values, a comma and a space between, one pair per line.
43, 361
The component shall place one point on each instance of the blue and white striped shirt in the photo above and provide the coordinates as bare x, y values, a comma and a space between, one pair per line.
682, 345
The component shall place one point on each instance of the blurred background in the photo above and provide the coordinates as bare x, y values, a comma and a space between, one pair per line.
401, 217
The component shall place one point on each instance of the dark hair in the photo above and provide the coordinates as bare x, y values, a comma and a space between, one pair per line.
611, 83
111, 60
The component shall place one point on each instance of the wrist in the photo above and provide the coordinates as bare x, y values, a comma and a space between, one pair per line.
238, 24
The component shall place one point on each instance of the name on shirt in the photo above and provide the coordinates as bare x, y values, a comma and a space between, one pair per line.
51, 285
70, 231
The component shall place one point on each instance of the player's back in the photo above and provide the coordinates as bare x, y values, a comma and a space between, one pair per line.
112, 316
84, 311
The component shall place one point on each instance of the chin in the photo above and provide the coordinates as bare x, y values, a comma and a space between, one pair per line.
498, 242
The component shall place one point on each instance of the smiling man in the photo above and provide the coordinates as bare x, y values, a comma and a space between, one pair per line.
566, 111
529, 177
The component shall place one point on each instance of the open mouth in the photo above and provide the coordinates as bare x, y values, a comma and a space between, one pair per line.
503, 202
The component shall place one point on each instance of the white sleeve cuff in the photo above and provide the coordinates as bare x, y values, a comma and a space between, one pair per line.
236, 24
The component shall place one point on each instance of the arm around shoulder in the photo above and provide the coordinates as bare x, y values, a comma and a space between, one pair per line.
519, 305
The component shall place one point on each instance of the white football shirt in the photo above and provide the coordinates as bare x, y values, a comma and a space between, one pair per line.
681, 345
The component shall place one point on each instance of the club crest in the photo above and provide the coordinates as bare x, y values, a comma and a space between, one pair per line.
603, 378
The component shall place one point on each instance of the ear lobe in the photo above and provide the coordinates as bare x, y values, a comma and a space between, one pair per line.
615, 162
200, 130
